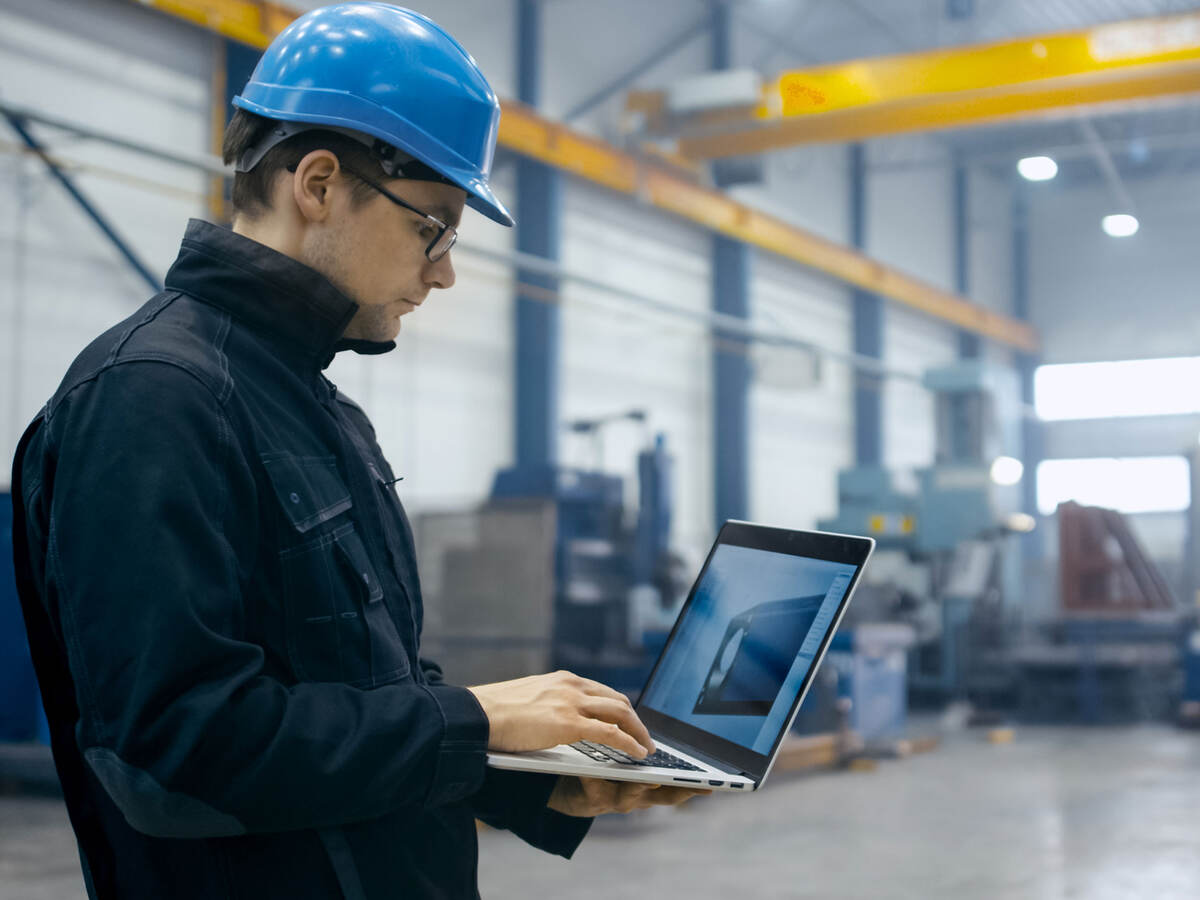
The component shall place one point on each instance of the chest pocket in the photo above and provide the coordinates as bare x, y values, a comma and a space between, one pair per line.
337, 627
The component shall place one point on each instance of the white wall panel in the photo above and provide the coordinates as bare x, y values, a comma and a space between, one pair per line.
800, 436
914, 343
587, 45
990, 245
808, 187
62, 282
910, 222
617, 357
910, 225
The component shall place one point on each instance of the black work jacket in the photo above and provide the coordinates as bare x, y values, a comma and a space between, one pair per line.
221, 594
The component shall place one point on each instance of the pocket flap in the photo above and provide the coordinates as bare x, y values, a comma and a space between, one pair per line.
309, 488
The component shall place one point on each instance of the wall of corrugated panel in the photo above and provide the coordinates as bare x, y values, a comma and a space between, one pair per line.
61, 281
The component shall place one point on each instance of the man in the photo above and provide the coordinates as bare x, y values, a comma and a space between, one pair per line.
218, 578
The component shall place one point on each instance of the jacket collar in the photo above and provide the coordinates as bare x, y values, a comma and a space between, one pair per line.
268, 291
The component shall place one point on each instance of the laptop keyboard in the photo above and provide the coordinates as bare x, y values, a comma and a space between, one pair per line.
659, 759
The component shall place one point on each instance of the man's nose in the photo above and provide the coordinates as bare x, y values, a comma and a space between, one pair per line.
440, 274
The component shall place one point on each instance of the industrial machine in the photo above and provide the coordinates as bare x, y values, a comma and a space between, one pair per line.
617, 583
1114, 649
943, 537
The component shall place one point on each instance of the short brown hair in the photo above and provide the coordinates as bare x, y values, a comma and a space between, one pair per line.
252, 190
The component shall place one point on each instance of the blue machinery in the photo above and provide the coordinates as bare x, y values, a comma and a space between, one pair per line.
604, 564
1115, 646
952, 516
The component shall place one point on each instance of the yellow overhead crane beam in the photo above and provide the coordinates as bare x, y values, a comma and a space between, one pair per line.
525, 132
1109, 64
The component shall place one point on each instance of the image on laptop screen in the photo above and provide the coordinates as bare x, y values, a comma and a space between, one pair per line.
746, 642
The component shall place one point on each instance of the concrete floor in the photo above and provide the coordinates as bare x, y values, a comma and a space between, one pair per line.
1093, 814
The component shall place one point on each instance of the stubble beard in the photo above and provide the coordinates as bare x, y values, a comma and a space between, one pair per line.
328, 255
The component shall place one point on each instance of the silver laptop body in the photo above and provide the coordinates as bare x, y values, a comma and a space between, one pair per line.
737, 665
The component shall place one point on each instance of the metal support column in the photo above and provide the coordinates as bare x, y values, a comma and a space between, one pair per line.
1032, 440
731, 381
538, 213
721, 53
868, 330
969, 344
731, 363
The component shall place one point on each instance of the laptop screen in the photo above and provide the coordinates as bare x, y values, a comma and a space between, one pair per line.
745, 643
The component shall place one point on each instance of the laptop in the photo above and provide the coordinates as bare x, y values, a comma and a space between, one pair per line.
736, 666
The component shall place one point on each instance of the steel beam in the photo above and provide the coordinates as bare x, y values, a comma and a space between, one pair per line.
1106, 165
731, 381
779, 40
971, 85
89, 208
530, 135
664, 51
525, 132
969, 345
1032, 432
203, 162
868, 330
731, 357
539, 215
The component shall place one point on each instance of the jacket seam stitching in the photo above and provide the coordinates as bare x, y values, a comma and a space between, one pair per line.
197, 373
150, 315
219, 346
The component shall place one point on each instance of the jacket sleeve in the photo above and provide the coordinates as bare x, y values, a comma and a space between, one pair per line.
516, 801
152, 537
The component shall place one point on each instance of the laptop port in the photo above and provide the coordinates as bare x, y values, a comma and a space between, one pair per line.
715, 783
690, 780
738, 786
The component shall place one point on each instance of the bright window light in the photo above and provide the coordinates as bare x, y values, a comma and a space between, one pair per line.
1119, 225
1037, 168
1105, 390
1133, 485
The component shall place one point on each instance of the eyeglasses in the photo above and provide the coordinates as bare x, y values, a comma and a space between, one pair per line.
446, 235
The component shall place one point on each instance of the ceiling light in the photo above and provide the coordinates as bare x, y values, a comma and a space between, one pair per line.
1119, 225
1037, 168
1007, 471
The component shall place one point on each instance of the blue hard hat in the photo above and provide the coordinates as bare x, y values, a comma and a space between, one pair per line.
389, 73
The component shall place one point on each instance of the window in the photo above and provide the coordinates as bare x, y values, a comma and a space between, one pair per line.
1133, 485
1142, 387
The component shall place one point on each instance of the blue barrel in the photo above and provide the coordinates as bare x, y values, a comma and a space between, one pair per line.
20, 705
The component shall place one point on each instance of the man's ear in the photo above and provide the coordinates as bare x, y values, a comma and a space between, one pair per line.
315, 176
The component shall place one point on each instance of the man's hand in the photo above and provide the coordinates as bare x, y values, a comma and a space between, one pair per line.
586, 797
544, 711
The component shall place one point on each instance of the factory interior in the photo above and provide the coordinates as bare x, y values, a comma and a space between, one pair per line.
911, 270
